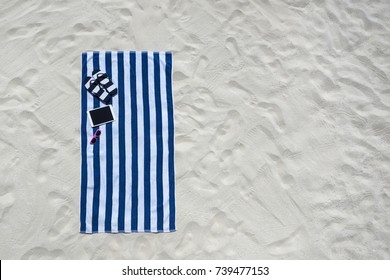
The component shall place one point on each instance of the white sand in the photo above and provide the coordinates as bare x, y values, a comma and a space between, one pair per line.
282, 127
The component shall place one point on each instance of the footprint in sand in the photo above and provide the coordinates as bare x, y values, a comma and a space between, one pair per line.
229, 130
291, 244
141, 248
191, 242
6, 202
40, 253
10, 160
63, 217
19, 95
21, 32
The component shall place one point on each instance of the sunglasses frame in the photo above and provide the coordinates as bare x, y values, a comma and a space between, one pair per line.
95, 136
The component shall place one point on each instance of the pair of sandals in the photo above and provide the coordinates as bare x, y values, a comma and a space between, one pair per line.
100, 86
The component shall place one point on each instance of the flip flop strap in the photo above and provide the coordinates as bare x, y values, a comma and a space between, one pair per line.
102, 78
93, 84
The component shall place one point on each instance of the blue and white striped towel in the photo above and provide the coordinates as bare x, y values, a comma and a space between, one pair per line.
128, 177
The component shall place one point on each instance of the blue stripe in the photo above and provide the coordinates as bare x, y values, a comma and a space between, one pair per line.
96, 163
83, 131
109, 158
122, 147
134, 144
159, 140
171, 155
145, 94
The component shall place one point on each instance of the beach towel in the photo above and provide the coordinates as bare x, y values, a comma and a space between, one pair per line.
128, 176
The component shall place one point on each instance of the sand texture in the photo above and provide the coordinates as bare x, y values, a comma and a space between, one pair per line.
282, 118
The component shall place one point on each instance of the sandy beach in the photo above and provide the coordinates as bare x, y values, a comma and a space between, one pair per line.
282, 127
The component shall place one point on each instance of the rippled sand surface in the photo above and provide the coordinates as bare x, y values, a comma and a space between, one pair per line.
282, 112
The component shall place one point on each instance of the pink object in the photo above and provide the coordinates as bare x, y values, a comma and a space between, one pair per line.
95, 137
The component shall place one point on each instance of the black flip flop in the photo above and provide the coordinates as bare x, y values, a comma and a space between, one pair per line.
105, 81
96, 89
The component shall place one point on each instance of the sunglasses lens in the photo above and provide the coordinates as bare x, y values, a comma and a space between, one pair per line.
93, 140
98, 132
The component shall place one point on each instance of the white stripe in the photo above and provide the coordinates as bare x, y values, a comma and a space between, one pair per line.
104, 95
126, 61
115, 150
164, 109
103, 156
153, 145
112, 87
96, 89
89, 129
104, 81
140, 120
